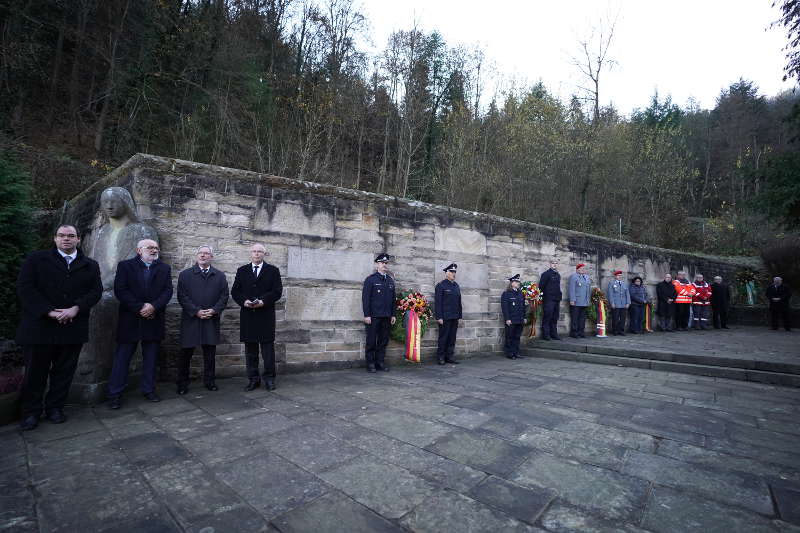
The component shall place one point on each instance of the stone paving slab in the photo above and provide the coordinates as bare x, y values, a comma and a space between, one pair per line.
488, 445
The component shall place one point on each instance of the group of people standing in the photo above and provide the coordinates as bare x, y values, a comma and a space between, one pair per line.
58, 287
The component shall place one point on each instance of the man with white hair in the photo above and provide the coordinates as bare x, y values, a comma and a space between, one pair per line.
143, 286
203, 295
256, 288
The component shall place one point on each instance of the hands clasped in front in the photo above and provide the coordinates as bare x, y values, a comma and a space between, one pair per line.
64, 316
254, 304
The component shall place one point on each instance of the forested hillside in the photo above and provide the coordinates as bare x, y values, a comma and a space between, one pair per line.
287, 87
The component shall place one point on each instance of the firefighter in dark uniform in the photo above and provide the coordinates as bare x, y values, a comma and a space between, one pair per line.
377, 299
447, 312
513, 304
550, 285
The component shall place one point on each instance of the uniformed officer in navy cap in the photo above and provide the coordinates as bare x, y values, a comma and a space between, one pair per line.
513, 304
377, 299
447, 311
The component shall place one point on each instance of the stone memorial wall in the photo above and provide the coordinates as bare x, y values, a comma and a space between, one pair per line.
324, 239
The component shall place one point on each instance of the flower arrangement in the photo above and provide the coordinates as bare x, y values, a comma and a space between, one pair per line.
597, 296
533, 297
410, 300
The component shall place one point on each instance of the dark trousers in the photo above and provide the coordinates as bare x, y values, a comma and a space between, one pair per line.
511, 345
777, 313
720, 316
377, 340
447, 340
122, 362
682, 316
667, 311
209, 364
251, 359
637, 317
56, 362
700, 316
618, 320
550, 318
577, 323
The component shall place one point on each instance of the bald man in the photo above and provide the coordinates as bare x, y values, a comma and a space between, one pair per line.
143, 286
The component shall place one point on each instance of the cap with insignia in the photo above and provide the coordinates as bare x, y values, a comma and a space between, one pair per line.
382, 258
515, 277
617, 272
452, 267
579, 265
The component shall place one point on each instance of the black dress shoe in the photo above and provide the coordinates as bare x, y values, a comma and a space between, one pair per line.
182, 389
451, 361
253, 385
56, 416
621, 334
545, 338
29, 422
115, 403
212, 387
152, 397
725, 327
371, 369
573, 335
510, 357
581, 335
269, 384
440, 362
556, 338
382, 368
520, 356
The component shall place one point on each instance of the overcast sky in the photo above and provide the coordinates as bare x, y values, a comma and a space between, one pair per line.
687, 49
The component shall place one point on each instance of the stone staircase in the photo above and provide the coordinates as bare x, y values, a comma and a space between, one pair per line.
778, 373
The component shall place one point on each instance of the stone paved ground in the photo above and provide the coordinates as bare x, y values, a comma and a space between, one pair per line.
488, 445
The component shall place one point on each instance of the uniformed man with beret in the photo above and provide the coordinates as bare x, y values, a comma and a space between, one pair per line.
447, 312
512, 303
619, 298
579, 292
377, 300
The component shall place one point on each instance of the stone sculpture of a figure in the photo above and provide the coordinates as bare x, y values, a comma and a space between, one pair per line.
112, 239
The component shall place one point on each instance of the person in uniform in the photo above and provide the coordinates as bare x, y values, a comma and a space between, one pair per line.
579, 292
684, 291
720, 300
665, 294
377, 300
639, 298
203, 295
447, 312
513, 304
779, 295
57, 289
143, 286
550, 285
256, 288
701, 302
620, 300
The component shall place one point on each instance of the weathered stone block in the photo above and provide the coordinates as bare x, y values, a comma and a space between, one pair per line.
469, 276
294, 218
310, 304
315, 263
465, 241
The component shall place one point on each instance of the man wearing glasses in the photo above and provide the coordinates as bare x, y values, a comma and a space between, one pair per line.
57, 289
143, 286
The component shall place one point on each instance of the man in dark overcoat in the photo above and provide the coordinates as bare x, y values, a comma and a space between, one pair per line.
143, 286
203, 295
447, 312
665, 310
550, 285
377, 302
57, 289
720, 301
778, 294
256, 288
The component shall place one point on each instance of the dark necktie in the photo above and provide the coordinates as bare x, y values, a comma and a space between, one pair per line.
255, 270
205, 272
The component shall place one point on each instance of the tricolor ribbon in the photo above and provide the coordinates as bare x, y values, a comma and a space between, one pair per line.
413, 337
601, 319
534, 305
648, 317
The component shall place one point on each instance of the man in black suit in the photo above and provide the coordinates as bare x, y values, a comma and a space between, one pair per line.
720, 300
550, 285
778, 295
256, 288
57, 289
143, 286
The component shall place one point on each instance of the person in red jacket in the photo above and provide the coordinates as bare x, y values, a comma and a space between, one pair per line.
683, 301
701, 302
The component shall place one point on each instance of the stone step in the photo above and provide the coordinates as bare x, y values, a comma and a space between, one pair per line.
675, 357
709, 370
